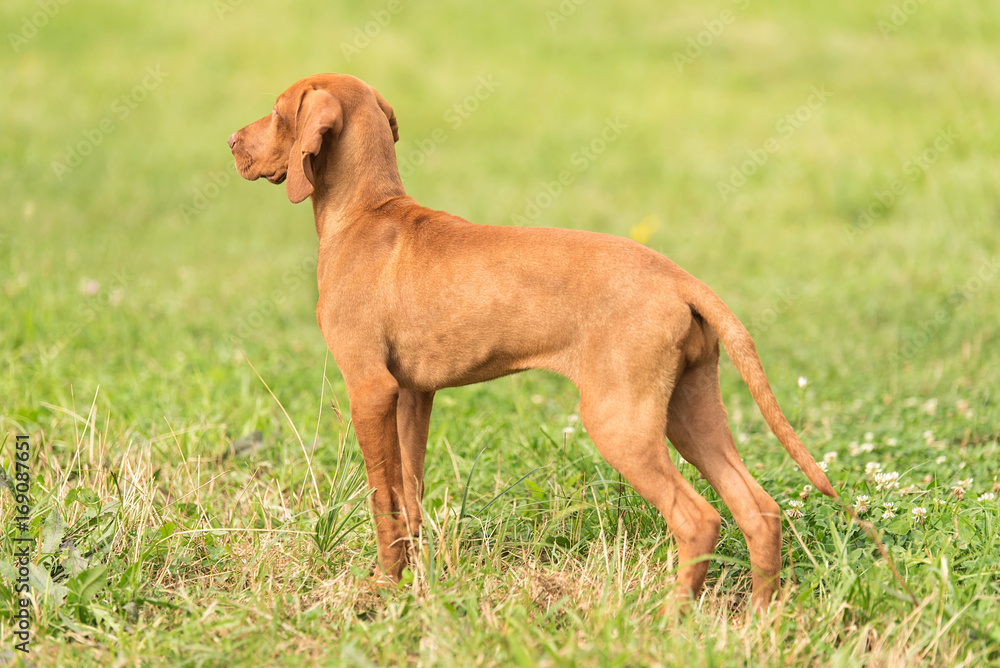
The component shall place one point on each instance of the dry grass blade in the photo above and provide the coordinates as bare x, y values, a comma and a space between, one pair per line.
291, 423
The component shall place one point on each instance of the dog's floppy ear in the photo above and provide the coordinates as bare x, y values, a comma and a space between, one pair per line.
389, 113
319, 113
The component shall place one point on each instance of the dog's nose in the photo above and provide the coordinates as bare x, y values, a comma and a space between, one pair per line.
232, 140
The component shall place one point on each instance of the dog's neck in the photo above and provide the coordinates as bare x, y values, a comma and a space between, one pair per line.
354, 174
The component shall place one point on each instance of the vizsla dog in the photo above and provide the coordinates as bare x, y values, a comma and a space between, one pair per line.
413, 300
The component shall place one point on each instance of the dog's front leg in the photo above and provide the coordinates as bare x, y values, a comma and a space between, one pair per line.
413, 417
373, 412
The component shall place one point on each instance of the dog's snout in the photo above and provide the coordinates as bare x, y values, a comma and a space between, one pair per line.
232, 140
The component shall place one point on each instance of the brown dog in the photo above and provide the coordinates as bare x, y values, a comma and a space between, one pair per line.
413, 300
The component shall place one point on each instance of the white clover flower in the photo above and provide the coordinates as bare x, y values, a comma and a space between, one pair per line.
796, 508
869, 437
830, 457
930, 406
988, 496
803, 381
919, 513
804, 494
891, 442
867, 447
940, 460
853, 449
568, 431
572, 418
871, 468
890, 509
861, 503
822, 465
886, 481
928, 436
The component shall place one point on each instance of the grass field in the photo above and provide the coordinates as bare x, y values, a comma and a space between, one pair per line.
830, 169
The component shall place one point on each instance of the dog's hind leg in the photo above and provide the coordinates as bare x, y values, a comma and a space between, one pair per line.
413, 417
629, 433
697, 426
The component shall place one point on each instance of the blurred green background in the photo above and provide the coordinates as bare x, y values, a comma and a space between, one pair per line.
156, 206
759, 146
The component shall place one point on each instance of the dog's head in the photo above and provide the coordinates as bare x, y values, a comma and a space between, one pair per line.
311, 113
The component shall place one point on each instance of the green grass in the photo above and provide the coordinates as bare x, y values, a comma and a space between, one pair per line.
132, 284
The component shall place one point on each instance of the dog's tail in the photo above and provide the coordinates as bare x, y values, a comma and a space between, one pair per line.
743, 353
